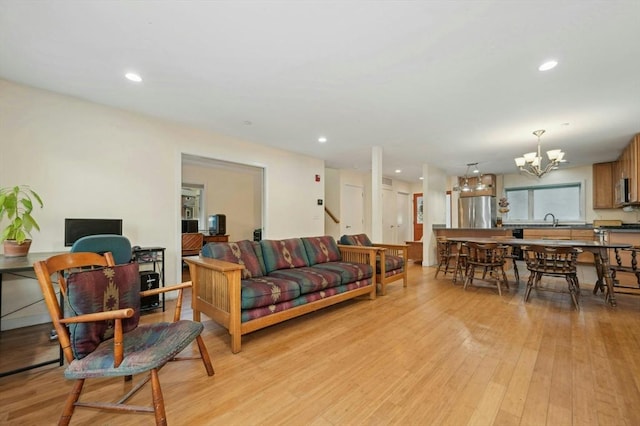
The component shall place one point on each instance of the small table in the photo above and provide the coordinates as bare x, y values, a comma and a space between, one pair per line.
414, 250
9, 265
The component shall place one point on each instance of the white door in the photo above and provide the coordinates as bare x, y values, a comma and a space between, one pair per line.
389, 218
403, 226
352, 210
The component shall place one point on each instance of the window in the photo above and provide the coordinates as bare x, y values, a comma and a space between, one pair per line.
531, 204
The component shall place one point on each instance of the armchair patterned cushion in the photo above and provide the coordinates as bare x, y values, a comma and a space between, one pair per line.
390, 262
101, 290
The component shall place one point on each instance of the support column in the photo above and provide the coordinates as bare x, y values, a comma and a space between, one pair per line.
376, 193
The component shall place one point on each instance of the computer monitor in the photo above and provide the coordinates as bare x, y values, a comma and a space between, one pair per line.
75, 229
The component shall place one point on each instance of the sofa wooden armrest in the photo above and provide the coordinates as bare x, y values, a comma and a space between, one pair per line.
217, 293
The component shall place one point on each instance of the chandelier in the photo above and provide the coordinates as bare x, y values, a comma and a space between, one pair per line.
531, 162
465, 187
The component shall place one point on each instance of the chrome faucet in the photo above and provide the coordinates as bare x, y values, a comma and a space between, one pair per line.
555, 221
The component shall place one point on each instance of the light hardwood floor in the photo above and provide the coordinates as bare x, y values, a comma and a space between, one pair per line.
428, 354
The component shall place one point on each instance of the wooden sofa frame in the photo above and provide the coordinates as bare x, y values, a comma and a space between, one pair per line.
216, 293
400, 250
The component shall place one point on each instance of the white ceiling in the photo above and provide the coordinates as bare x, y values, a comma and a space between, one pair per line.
438, 82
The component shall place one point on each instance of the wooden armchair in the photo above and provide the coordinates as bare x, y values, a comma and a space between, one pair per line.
98, 330
391, 264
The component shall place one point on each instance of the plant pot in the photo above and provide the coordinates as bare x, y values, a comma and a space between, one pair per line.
13, 249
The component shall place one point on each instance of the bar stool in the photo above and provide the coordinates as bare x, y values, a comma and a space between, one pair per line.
554, 262
489, 258
446, 256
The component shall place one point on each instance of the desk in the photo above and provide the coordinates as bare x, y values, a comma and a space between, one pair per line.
10, 265
599, 250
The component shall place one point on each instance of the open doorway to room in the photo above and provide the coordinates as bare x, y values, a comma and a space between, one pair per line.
216, 187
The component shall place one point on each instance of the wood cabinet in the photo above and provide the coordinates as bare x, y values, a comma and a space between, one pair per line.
215, 239
563, 234
603, 185
488, 180
628, 164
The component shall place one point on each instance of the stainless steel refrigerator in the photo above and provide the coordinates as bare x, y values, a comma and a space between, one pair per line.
477, 212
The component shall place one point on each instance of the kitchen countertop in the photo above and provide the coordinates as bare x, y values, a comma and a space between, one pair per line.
629, 227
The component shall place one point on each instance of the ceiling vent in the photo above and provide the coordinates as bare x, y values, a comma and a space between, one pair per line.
387, 182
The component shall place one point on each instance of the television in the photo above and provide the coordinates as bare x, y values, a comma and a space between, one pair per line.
217, 224
74, 229
189, 226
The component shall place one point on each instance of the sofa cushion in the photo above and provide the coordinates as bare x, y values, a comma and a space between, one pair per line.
392, 263
264, 291
251, 314
356, 240
310, 279
241, 252
283, 254
349, 272
100, 290
321, 249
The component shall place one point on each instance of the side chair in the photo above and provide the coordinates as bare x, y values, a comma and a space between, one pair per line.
488, 258
98, 330
549, 261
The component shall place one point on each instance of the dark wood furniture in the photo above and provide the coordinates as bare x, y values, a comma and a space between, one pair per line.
543, 260
192, 243
215, 239
488, 258
600, 251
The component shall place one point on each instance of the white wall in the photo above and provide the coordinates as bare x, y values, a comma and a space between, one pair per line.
89, 160
234, 193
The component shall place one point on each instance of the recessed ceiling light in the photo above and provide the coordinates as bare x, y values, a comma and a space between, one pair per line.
133, 77
548, 65
322, 139
398, 171
421, 178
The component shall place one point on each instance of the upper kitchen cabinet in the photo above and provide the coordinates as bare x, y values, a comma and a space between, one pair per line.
628, 164
603, 184
482, 185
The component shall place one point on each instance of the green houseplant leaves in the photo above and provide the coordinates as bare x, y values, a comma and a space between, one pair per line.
16, 205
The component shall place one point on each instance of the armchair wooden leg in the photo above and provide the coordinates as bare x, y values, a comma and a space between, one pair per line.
69, 405
158, 400
204, 354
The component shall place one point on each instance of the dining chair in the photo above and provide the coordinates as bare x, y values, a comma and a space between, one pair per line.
488, 258
98, 330
626, 262
447, 256
552, 261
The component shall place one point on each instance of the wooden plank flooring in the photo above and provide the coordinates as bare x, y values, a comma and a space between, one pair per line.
428, 354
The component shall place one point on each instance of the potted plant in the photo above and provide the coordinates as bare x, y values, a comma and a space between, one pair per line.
16, 204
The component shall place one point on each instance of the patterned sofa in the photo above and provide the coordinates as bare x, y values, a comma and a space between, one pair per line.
391, 262
245, 286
